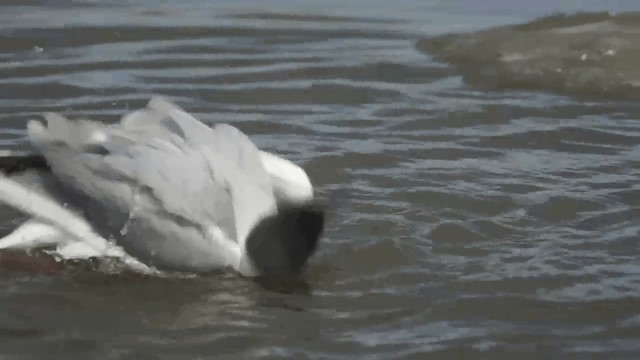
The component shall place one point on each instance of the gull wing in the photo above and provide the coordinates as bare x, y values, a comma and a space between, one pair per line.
181, 195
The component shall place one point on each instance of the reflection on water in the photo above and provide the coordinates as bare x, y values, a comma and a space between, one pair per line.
474, 212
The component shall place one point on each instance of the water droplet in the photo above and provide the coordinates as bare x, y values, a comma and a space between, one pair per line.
125, 228
134, 208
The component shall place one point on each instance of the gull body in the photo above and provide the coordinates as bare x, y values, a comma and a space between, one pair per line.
161, 190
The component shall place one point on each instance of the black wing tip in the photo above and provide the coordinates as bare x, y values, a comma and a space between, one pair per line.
16, 163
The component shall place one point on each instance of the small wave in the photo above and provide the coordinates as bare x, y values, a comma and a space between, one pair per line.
591, 55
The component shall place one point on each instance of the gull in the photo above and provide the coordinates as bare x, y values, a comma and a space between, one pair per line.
163, 192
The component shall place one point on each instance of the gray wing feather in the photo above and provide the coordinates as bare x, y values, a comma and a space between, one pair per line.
165, 120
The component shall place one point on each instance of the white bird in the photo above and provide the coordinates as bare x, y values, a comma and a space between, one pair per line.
160, 190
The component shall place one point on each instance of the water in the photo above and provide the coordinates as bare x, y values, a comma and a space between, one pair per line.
472, 217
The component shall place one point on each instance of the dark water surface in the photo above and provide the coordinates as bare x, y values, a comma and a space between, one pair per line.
485, 205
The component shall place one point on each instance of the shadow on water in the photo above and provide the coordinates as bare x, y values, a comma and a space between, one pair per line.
284, 284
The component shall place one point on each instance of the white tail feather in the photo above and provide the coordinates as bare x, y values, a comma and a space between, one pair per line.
31, 234
34, 234
56, 225
42, 207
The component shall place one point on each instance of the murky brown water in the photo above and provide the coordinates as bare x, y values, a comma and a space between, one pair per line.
474, 215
